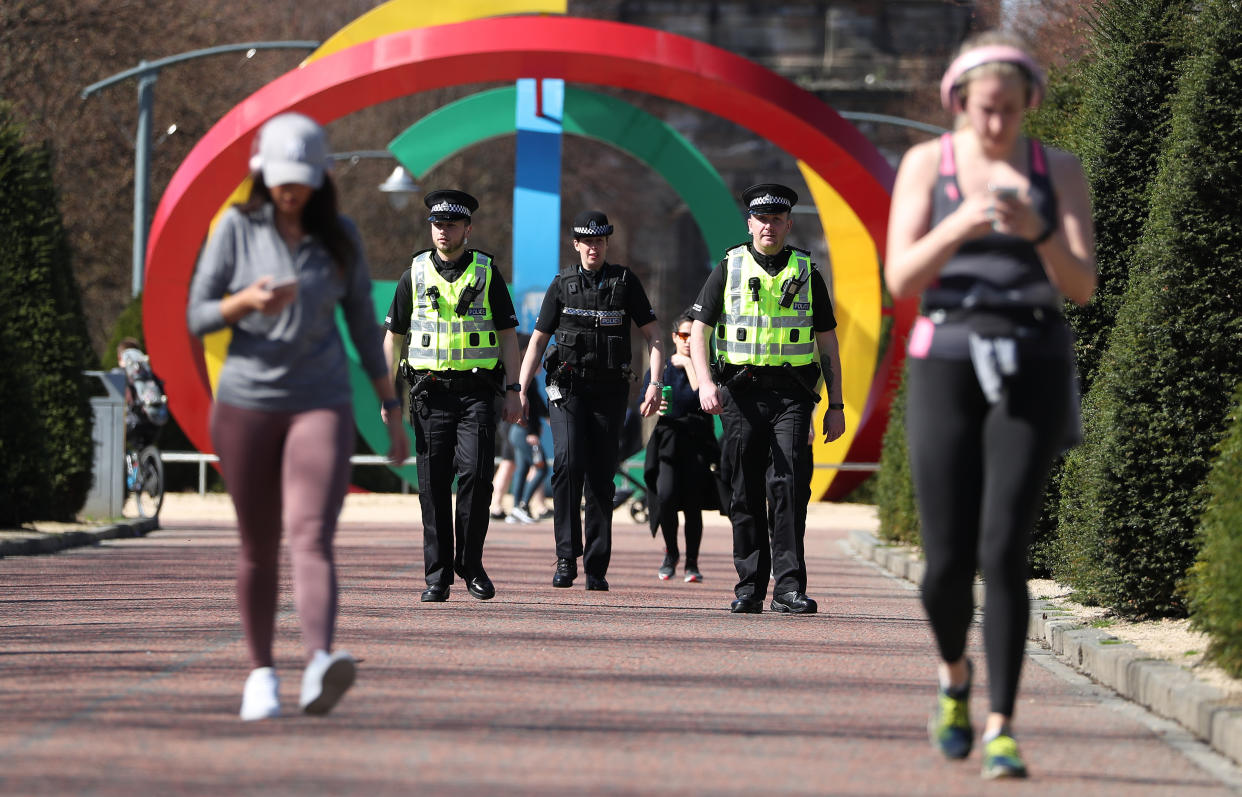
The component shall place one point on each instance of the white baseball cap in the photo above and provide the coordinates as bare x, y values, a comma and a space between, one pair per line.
292, 148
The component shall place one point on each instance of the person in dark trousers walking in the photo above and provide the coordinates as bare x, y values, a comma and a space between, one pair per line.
274, 272
770, 313
995, 232
589, 307
681, 454
454, 310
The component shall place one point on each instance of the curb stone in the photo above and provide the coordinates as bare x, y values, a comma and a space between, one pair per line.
1160, 686
33, 543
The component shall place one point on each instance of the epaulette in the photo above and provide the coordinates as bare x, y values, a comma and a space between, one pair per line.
796, 249
488, 255
420, 252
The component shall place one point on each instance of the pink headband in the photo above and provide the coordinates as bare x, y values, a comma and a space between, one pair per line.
986, 55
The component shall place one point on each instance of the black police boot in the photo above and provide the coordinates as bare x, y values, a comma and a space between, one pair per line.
436, 593
566, 572
480, 586
794, 603
746, 606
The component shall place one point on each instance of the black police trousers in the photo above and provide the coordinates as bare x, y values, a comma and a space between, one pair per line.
454, 436
765, 459
586, 436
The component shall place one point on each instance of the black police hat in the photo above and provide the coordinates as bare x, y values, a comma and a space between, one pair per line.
769, 198
449, 204
591, 222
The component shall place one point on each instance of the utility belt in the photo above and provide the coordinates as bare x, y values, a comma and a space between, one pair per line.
564, 378
472, 381
778, 378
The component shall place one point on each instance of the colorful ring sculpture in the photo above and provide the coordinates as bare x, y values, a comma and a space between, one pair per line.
417, 60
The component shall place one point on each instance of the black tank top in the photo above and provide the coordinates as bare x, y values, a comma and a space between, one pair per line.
996, 261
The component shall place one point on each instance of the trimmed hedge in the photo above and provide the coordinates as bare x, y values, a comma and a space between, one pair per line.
1114, 112
1128, 87
1215, 581
45, 430
1133, 493
894, 488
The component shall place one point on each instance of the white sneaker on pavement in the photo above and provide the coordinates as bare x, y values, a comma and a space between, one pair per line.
327, 677
519, 515
261, 696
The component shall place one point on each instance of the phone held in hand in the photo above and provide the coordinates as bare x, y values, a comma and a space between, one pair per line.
1003, 191
282, 282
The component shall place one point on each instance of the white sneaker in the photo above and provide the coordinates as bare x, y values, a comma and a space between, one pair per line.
326, 678
519, 515
261, 697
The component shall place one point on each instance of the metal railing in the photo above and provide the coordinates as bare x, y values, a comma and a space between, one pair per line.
375, 459
204, 459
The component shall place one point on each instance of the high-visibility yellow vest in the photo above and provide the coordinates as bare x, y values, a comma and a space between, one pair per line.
440, 339
754, 329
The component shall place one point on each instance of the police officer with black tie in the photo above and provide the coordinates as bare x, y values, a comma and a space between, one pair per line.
589, 306
454, 310
769, 311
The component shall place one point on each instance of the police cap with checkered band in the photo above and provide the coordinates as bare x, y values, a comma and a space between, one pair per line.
450, 204
769, 198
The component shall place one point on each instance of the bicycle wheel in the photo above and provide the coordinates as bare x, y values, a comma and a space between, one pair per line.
149, 491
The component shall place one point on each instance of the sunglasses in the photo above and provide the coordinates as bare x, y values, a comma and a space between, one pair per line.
682, 335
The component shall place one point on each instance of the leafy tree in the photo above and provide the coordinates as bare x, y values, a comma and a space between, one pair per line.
45, 437
1133, 492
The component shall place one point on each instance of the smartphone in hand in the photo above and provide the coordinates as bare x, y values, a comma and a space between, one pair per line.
282, 282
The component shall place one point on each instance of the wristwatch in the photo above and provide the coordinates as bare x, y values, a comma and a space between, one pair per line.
391, 404
836, 406
516, 387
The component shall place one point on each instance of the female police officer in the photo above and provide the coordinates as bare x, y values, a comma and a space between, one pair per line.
589, 307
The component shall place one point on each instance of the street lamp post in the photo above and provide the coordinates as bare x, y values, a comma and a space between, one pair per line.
147, 73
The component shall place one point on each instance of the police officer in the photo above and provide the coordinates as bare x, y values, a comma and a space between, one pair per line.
589, 307
768, 308
461, 354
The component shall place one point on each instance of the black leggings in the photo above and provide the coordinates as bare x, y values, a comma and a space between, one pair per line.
979, 472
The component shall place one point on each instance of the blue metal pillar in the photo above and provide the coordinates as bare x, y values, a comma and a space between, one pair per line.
536, 194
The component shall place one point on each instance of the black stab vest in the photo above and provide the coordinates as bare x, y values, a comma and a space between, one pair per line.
594, 328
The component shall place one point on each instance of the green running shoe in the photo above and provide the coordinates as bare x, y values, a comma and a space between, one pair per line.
949, 727
1001, 758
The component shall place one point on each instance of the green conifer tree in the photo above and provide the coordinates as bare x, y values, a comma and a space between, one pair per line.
45, 437
1132, 494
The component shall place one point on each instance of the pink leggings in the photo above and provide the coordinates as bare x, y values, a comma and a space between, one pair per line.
293, 465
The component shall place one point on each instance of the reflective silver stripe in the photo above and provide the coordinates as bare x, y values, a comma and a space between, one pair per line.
775, 349
428, 325
480, 278
735, 281
759, 321
416, 268
479, 353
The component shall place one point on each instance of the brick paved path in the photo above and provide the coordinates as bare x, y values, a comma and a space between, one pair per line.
121, 669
